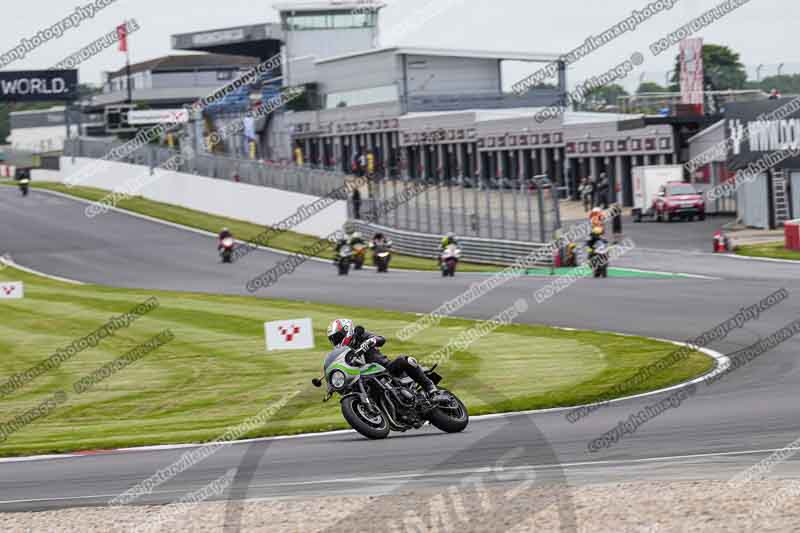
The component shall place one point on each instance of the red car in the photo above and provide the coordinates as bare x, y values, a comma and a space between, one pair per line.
677, 199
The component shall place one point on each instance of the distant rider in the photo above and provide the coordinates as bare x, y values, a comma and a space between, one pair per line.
357, 238
342, 332
448, 239
380, 240
341, 242
596, 237
224, 234
597, 217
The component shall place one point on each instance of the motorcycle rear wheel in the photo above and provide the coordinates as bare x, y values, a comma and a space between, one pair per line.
357, 415
451, 419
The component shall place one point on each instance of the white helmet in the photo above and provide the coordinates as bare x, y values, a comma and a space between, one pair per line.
340, 332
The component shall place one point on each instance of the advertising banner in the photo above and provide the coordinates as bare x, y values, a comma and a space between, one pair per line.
38, 85
692, 74
764, 130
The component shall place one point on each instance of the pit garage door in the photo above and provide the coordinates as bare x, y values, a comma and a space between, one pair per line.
795, 195
752, 203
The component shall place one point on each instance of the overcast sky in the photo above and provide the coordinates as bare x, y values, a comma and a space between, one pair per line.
762, 31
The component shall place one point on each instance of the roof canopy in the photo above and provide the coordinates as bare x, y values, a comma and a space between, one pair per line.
450, 52
333, 5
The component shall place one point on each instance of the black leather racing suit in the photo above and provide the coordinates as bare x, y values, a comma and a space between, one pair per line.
397, 367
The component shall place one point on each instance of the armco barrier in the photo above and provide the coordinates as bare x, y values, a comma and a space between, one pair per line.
472, 250
791, 230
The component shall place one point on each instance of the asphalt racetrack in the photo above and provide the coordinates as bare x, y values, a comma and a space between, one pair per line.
713, 435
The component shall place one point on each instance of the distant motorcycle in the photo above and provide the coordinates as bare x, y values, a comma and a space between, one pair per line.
359, 255
24, 184
598, 258
381, 255
449, 259
226, 249
343, 259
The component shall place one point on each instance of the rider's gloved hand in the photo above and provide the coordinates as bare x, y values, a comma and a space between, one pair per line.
368, 344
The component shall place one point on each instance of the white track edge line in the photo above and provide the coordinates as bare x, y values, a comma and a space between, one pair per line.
765, 259
12, 264
723, 361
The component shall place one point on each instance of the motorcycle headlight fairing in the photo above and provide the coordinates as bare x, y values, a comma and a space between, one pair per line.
337, 379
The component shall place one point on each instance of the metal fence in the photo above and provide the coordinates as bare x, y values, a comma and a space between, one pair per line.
307, 179
525, 211
510, 210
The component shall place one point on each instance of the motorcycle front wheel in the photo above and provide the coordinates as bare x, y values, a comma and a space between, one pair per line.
451, 416
370, 423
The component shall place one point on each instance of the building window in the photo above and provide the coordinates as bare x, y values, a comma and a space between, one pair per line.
331, 21
374, 95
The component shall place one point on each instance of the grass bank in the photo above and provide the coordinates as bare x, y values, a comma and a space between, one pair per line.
215, 373
774, 250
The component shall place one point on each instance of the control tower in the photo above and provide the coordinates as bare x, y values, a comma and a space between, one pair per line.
326, 29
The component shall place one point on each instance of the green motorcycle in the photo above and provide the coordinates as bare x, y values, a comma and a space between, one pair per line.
374, 402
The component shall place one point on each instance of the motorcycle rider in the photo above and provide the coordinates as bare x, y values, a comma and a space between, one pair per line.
449, 239
24, 178
342, 332
380, 244
341, 241
380, 240
596, 236
597, 217
357, 238
224, 234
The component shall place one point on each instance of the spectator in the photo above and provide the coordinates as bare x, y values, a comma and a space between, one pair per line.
602, 191
591, 189
616, 224
370, 162
356, 203
356, 163
362, 163
585, 191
